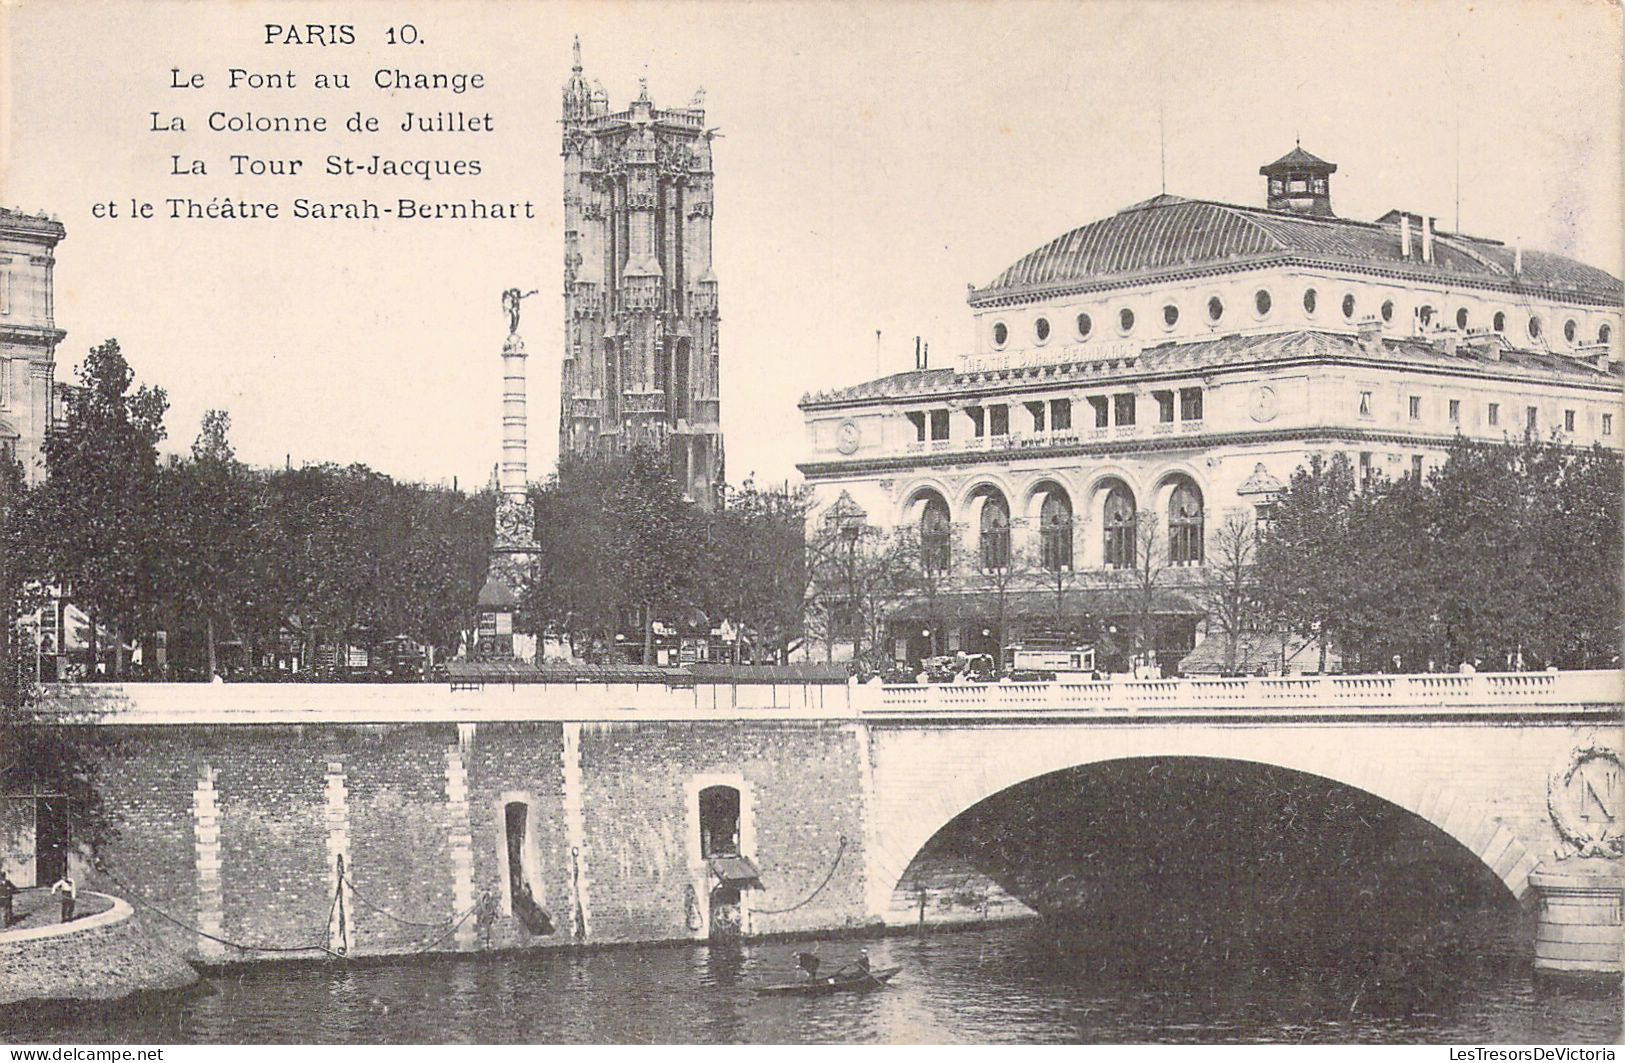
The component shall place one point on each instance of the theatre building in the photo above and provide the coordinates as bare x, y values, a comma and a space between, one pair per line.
1139, 379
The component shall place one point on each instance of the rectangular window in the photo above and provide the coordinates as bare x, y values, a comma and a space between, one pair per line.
1455, 411
1123, 408
917, 419
1366, 471
1190, 404
5, 382
1568, 420
1036, 409
1298, 184
1531, 417
1060, 414
998, 420
939, 424
1607, 424
1365, 404
5, 289
1416, 407
1416, 466
1165, 406
1495, 413
1102, 410
978, 421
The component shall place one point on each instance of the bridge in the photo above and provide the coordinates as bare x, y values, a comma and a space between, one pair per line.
647, 811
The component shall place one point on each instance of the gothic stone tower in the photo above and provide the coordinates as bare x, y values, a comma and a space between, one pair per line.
640, 357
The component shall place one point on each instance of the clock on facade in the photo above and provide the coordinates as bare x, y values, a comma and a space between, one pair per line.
847, 437
1264, 404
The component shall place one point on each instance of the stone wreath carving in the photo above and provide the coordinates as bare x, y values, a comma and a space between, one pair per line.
1583, 801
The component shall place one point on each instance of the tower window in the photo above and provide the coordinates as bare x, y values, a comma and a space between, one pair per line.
1262, 301
1348, 307
1001, 334
1041, 329
1215, 308
1125, 319
1309, 300
1086, 325
1387, 309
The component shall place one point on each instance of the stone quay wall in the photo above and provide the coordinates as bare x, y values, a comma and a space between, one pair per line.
236, 831
106, 956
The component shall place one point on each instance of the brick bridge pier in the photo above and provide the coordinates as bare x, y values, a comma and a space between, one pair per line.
508, 816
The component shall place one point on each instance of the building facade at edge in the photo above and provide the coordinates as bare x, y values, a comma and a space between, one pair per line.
641, 359
29, 397
1140, 378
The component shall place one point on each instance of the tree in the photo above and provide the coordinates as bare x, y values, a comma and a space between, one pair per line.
1226, 589
101, 497
1147, 576
1305, 565
757, 571
866, 573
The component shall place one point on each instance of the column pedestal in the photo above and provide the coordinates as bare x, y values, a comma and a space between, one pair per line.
1580, 932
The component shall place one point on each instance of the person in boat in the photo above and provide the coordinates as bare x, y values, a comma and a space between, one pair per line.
809, 965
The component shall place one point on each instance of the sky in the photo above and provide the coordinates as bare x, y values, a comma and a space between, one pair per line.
873, 160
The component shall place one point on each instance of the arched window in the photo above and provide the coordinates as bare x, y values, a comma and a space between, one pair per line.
1604, 334
1120, 528
935, 536
995, 534
1500, 321
1055, 532
1185, 525
719, 821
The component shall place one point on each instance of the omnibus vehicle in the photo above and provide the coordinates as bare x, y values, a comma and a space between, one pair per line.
1035, 661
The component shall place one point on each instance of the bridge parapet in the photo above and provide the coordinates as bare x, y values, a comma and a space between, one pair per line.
1512, 694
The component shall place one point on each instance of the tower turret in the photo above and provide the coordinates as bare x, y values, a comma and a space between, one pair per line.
1300, 182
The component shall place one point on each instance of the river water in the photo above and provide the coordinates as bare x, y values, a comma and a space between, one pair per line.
1015, 983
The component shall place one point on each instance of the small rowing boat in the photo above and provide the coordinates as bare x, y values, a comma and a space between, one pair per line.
847, 981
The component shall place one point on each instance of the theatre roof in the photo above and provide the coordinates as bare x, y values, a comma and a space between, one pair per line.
1169, 235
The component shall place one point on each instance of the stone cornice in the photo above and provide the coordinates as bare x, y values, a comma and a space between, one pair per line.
1312, 434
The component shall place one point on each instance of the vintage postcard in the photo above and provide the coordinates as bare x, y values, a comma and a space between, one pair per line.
811, 522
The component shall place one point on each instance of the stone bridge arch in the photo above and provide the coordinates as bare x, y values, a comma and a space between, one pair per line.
924, 778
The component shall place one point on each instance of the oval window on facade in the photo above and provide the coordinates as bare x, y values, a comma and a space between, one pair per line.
1170, 315
1041, 329
1262, 302
1348, 307
1215, 308
1425, 315
1086, 325
1001, 334
1500, 321
1125, 319
1534, 327
1387, 309
1309, 300
1604, 334
1461, 318
1570, 330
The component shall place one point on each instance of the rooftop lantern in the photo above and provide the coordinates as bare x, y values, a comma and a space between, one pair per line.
1300, 183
